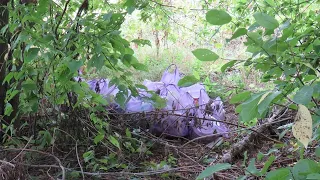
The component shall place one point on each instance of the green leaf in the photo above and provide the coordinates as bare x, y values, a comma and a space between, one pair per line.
159, 102
279, 174
140, 67
252, 167
313, 176
305, 167
265, 20
128, 133
250, 108
114, 141
188, 81
96, 61
8, 78
267, 164
218, 17
8, 109
12, 94
29, 85
239, 32
213, 169
318, 152
304, 95
31, 54
271, 2
264, 104
227, 65
74, 65
240, 97
142, 42
205, 55
121, 99
98, 138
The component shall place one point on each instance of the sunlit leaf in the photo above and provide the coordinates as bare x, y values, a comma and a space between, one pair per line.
302, 127
266, 20
205, 55
239, 32
228, 65
218, 17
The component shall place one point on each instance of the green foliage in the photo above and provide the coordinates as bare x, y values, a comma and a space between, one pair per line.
205, 55
188, 81
218, 17
213, 169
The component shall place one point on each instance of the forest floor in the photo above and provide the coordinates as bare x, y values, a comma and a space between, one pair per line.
177, 158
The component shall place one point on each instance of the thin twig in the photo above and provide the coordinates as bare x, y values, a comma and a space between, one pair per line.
22, 149
59, 22
33, 150
7, 163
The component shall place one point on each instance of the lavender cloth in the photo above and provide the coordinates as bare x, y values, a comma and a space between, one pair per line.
182, 103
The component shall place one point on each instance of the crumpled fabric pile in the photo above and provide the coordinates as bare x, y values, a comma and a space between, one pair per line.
190, 112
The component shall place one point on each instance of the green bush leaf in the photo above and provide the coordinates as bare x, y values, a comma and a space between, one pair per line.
74, 65
142, 42
140, 67
304, 95
250, 108
188, 81
96, 61
318, 152
218, 17
267, 164
279, 174
264, 104
8, 109
213, 169
265, 20
114, 141
121, 99
98, 138
205, 55
31, 54
313, 176
239, 32
227, 65
240, 97
29, 85
252, 167
305, 167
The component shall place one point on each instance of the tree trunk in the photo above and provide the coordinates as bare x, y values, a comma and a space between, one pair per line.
4, 19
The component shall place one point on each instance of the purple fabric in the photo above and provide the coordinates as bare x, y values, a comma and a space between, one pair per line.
154, 86
136, 104
172, 94
193, 90
171, 78
181, 104
207, 127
